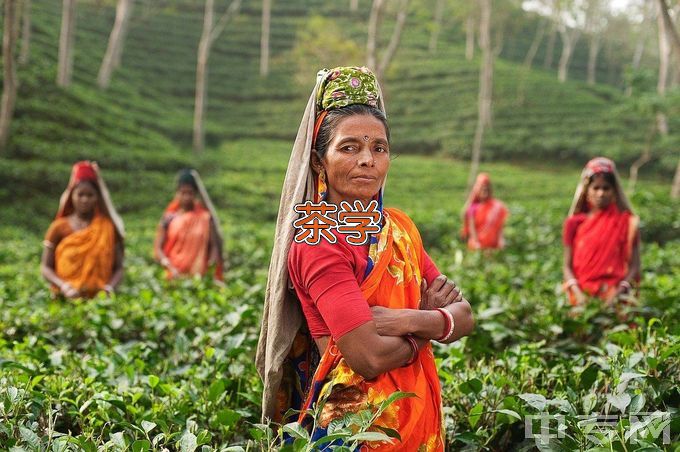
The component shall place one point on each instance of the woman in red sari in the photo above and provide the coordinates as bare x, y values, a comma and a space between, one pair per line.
372, 305
188, 239
483, 217
83, 252
601, 238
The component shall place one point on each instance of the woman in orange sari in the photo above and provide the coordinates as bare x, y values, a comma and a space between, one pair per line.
483, 217
188, 239
83, 252
601, 238
371, 302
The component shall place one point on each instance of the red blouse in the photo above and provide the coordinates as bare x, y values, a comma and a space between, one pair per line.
327, 279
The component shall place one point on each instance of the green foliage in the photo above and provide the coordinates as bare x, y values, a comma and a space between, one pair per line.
321, 43
171, 365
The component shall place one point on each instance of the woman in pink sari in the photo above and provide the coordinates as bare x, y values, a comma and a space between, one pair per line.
483, 217
188, 239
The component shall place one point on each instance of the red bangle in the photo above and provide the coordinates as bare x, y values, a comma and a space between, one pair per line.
414, 350
447, 323
450, 325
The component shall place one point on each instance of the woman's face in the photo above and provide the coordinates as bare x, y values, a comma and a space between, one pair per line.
357, 159
186, 195
484, 192
84, 198
600, 192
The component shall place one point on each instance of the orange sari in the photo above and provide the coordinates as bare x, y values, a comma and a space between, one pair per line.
489, 217
85, 258
394, 282
187, 239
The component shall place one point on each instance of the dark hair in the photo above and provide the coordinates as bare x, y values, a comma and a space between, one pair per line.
608, 177
91, 183
333, 118
186, 178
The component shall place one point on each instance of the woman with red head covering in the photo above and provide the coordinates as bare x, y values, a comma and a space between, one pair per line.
601, 237
83, 252
188, 238
483, 217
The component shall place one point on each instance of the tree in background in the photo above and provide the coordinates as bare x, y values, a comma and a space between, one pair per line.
470, 31
24, 51
114, 49
436, 25
595, 24
569, 17
321, 43
353, 5
211, 31
485, 87
374, 22
668, 36
9, 82
66, 41
264, 37
536, 42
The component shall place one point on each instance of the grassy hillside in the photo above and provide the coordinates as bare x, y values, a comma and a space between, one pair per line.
140, 129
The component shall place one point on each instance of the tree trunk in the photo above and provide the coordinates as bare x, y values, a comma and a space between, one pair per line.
593, 50
485, 88
637, 56
672, 34
201, 77
469, 37
437, 26
264, 39
394, 40
538, 37
208, 36
9, 82
644, 158
353, 5
550, 49
664, 64
114, 49
66, 41
675, 188
373, 28
24, 52
569, 38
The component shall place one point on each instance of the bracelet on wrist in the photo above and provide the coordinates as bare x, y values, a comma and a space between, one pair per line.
448, 323
625, 284
451, 325
414, 350
570, 283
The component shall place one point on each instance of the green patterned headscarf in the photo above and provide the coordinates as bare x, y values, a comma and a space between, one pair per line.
343, 86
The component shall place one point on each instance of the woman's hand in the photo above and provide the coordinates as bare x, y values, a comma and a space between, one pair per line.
69, 291
390, 322
442, 292
579, 296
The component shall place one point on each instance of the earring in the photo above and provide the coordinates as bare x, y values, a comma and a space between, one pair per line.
321, 187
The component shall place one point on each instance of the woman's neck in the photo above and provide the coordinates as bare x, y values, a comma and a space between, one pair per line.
85, 216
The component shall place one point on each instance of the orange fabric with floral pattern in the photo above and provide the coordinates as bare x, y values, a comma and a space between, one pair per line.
394, 282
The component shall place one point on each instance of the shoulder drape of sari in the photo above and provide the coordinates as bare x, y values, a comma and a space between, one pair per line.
187, 239
601, 251
394, 282
85, 258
